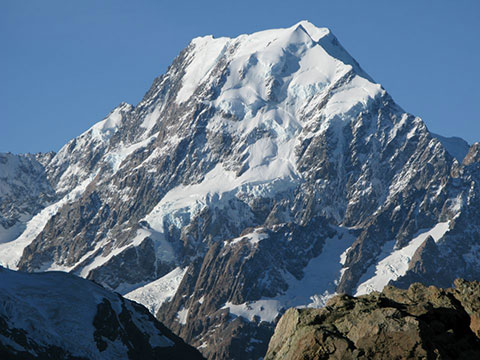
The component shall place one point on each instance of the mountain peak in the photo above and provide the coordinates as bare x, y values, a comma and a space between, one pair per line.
316, 33
313, 31
270, 65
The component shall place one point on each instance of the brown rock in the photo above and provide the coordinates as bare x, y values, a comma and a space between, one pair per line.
473, 155
418, 323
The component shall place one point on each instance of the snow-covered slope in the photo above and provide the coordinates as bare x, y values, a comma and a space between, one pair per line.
155, 293
57, 315
252, 165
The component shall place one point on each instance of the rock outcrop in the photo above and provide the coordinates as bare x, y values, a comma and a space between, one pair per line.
473, 155
418, 323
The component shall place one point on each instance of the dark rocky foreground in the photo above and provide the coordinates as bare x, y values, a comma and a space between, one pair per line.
418, 323
60, 316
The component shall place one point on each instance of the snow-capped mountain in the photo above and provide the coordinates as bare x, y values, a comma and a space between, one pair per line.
61, 316
258, 173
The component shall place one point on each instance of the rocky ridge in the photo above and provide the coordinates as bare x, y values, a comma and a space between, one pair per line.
60, 316
419, 323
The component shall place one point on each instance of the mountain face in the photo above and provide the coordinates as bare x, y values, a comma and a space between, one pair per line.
60, 316
455, 146
258, 173
24, 191
418, 323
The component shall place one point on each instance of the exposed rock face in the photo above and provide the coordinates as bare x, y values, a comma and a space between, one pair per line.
457, 147
24, 191
60, 316
473, 155
418, 323
258, 173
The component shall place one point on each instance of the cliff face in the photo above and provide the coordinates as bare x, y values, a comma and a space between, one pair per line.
418, 323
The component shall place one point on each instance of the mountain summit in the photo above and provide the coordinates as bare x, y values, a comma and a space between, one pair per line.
258, 173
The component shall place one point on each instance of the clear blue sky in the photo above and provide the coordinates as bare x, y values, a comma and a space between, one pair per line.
65, 64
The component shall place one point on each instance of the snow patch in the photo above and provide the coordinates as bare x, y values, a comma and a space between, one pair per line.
182, 316
254, 237
266, 310
394, 262
155, 293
